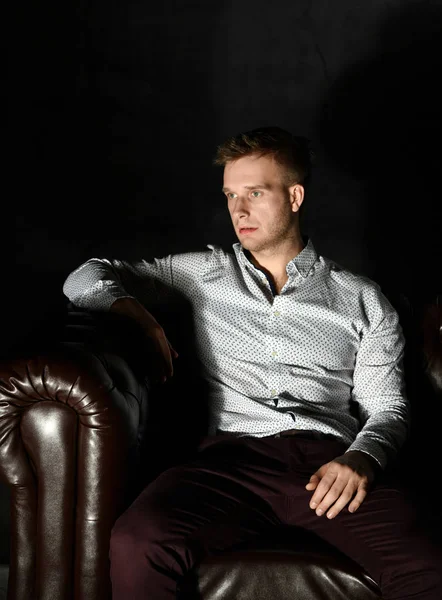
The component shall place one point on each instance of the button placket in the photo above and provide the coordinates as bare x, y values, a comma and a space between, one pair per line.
275, 323
273, 339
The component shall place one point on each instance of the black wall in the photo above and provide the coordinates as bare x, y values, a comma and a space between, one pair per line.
116, 110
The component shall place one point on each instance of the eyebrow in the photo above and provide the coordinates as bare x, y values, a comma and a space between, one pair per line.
264, 186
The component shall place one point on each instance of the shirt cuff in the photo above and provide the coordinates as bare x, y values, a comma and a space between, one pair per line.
371, 448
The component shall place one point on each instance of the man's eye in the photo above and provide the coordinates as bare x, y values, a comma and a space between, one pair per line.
256, 194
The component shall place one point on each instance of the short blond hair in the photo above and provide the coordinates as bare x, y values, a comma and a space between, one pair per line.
292, 153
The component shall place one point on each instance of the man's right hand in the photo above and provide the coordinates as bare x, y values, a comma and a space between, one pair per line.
163, 349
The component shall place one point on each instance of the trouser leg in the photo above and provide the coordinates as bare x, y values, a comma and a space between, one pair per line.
383, 535
239, 488
189, 512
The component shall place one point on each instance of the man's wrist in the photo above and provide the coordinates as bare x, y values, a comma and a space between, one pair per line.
130, 307
127, 306
123, 303
360, 454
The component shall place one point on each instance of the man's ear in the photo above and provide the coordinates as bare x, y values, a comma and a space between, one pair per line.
296, 196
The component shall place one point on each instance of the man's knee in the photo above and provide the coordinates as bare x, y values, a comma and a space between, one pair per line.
140, 563
124, 542
136, 542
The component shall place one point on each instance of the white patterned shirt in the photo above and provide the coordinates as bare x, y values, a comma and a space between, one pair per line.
275, 362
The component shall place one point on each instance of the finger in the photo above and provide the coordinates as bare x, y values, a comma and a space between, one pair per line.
358, 499
328, 499
172, 350
165, 357
342, 501
317, 476
323, 487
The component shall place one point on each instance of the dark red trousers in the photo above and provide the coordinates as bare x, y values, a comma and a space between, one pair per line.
238, 488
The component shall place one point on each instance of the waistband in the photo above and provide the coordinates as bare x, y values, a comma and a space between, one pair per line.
304, 433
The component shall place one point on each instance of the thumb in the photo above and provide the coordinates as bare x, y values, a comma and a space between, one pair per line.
313, 482
317, 476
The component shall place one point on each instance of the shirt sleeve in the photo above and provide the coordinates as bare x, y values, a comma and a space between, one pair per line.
379, 384
97, 283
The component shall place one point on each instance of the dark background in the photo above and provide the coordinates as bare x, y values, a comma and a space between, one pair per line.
116, 110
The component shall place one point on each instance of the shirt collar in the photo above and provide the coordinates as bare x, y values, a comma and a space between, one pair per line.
302, 263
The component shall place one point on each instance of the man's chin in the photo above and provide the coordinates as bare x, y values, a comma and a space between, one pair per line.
249, 244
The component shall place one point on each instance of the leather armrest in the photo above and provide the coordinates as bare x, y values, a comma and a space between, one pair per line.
71, 422
108, 333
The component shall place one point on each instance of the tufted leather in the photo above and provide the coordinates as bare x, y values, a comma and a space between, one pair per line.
70, 423
290, 564
72, 433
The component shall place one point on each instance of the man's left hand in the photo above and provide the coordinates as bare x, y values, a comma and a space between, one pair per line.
344, 480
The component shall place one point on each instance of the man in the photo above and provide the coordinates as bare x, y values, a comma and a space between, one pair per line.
289, 342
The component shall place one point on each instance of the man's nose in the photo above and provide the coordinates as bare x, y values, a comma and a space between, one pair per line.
241, 206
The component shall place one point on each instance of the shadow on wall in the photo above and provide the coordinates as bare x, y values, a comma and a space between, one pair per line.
382, 123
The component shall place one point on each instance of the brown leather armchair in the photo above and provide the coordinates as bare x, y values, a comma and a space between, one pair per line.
80, 436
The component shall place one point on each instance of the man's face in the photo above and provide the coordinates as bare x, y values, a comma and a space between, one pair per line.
262, 209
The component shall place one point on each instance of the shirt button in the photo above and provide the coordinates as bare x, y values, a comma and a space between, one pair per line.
276, 313
273, 392
274, 353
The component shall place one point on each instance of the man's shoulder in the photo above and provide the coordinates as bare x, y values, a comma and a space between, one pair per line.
351, 283
348, 276
359, 291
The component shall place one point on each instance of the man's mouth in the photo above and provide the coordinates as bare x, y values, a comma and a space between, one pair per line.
246, 230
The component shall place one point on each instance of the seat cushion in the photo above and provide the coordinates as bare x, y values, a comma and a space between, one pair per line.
288, 565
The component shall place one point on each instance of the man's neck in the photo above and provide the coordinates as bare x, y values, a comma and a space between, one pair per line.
274, 263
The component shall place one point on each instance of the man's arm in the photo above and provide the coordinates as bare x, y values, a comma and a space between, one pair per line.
130, 307
379, 389
101, 284
98, 282
379, 383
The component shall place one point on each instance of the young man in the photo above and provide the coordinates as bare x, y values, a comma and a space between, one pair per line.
288, 341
